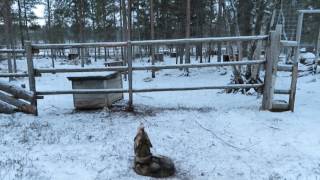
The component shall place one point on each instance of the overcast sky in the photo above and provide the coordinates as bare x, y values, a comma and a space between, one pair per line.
39, 11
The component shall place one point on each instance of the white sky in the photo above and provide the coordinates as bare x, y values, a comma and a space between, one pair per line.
39, 11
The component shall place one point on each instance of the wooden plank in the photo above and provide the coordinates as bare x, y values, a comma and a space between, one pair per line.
240, 86
6, 108
74, 70
293, 87
115, 83
150, 42
16, 91
187, 31
285, 68
12, 51
52, 58
82, 58
310, 11
153, 73
79, 45
82, 91
129, 56
200, 65
14, 55
273, 54
31, 73
106, 91
280, 107
289, 43
266, 100
130, 72
295, 64
10, 66
2, 75
155, 67
114, 63
282, 91
317, 53
199, 40
22, 106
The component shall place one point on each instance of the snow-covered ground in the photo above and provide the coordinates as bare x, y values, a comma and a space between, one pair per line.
208, 134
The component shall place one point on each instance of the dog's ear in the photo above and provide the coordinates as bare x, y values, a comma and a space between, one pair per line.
141, 127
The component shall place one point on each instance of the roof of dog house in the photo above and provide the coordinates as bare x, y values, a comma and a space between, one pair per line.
93, 76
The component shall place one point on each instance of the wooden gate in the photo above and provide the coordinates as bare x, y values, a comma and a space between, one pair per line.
272, 68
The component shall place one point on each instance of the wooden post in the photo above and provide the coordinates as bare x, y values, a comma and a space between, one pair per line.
294, 80
317, 54
82, 56
31, 73
124, 34
129, 57
105, 54
52, 59
130, 75
9, 65
152, 37
272, 56
14, 55
95, 54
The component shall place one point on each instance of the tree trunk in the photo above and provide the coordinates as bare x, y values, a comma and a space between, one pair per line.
252, 73
244, 16
49, 21
20, 24
219, 29
8, 30
26, 19
237, 79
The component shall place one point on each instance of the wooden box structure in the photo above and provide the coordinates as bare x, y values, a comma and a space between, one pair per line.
114, 63
158, 57
112, 80
173, 54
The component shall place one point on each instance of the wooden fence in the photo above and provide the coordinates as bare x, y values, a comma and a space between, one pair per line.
271, 65
129, 68
12, 67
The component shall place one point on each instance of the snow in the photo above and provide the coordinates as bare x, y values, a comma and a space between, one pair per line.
208, 134
309, 58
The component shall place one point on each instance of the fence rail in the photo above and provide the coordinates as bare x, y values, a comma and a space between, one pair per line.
289, 43
106, 91
150, 42
310, 11
4, 75
199, 40
79, 45
152, 67
12, 51
75, 70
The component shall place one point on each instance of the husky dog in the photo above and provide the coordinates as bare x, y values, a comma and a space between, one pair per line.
145, 163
